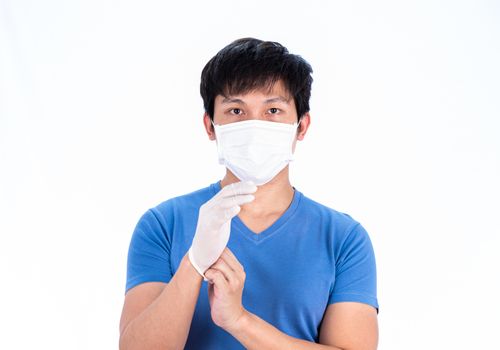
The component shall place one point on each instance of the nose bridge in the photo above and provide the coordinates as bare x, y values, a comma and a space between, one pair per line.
256, 116
256, 111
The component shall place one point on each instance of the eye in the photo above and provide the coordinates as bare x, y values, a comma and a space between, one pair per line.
274, 110
237, 111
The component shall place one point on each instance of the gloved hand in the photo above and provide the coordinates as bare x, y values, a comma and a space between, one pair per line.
214, 224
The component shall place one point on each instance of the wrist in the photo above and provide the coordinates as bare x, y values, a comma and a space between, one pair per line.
241, 323
194, 264
186, 279
190, 269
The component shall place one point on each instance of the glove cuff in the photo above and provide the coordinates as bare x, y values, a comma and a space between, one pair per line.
192, 260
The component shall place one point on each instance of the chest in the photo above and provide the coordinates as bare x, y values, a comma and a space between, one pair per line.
288, 284
289, 277
259, 224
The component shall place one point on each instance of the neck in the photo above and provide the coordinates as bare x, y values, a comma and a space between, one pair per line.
271, 198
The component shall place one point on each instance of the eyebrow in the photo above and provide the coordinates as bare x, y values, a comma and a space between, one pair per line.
270, 100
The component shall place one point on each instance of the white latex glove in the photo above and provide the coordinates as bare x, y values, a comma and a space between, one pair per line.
214, 224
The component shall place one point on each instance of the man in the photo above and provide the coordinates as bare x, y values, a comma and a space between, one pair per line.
251, 262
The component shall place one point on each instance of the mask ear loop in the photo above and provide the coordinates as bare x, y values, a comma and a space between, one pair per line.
213, 126
298, 124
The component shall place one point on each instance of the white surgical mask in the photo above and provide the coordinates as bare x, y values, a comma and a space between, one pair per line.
255, 150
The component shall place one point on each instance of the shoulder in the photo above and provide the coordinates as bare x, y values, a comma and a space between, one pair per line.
170, 208
343, 232
185, 202
339, 221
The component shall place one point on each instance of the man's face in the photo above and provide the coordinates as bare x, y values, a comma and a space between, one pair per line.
275, 106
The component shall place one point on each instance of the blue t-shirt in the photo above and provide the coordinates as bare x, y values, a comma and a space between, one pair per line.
312, 256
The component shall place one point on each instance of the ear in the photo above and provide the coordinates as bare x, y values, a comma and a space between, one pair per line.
208, 126
304, 126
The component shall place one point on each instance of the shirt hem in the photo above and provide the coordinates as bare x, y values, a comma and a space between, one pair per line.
356, 298
148, 278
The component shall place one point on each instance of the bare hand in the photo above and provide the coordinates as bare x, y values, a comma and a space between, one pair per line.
226, 281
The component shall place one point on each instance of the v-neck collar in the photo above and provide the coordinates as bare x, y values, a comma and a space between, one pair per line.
275, 227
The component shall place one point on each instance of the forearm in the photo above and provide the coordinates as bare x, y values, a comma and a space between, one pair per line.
165, 323
255, 333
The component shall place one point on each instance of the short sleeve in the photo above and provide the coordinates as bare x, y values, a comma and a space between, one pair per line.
356, 273
149, 252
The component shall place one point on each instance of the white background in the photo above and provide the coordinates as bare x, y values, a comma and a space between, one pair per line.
100, 119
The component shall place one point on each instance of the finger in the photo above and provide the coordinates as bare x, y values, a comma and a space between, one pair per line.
225, 268
225, 216
234, 189
231, 260
236, 200
230, 213
217, 277
237, 188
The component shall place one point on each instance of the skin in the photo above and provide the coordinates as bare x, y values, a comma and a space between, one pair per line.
158, 315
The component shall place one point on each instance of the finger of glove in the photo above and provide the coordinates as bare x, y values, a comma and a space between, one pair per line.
236, 201
238, 188
225, 216
231, 212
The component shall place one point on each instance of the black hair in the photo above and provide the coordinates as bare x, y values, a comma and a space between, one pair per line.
248, 64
